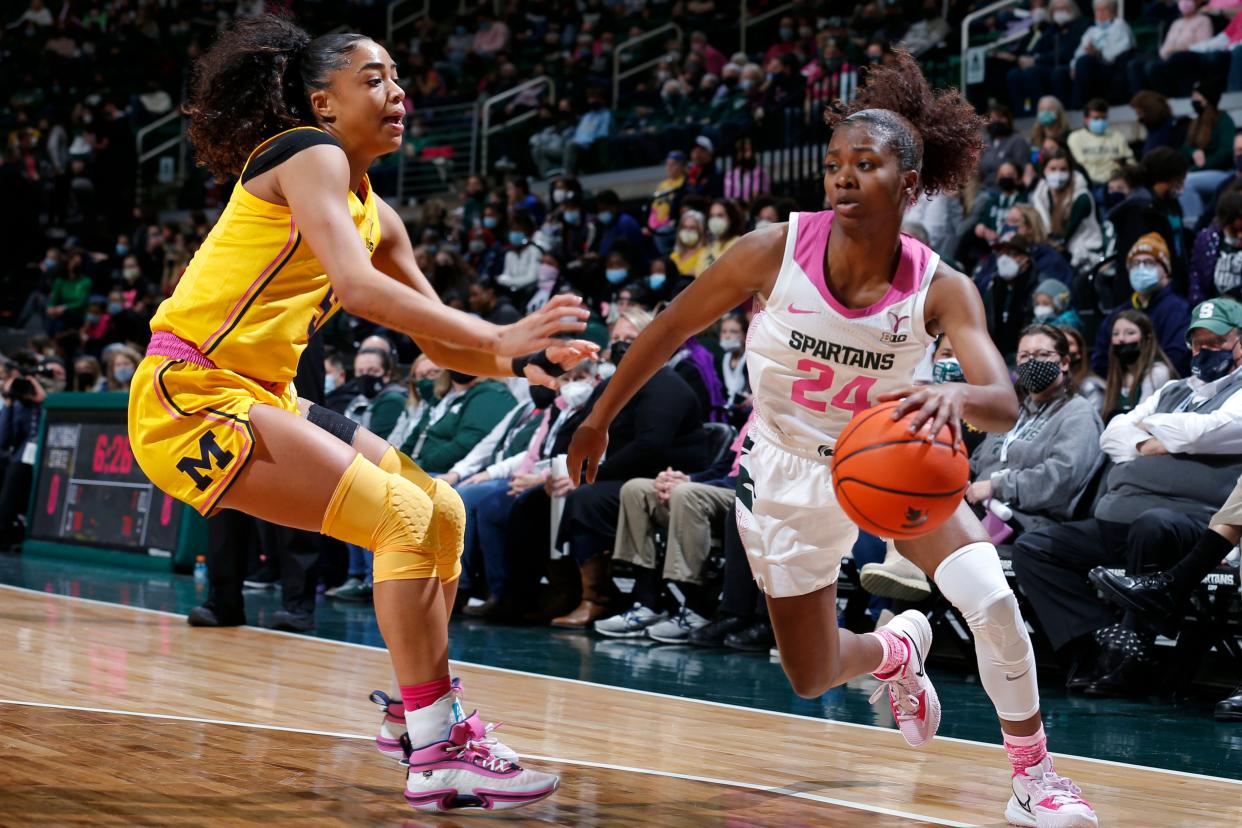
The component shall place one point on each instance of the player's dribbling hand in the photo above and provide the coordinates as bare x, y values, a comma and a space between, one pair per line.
934, 406
562, 314
587, 446
566, 354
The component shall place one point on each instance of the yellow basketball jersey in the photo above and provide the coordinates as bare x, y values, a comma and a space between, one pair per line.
254, 293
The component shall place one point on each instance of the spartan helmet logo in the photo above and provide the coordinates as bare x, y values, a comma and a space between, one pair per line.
896, 320
914, 518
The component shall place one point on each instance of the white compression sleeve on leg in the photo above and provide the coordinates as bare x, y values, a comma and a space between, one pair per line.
972, 579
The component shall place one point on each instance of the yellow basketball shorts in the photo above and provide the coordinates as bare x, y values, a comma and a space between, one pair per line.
190, 426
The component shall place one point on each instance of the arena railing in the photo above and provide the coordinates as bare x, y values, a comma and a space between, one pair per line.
978, 53
747, 21
169, 131
395, 24
618, 74
450, 155
489, 104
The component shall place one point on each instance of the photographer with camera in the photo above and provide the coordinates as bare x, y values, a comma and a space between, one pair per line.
19, 426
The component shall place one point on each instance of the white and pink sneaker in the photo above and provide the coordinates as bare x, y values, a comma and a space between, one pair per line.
463, 771
916, 707
1043, 799
392, 726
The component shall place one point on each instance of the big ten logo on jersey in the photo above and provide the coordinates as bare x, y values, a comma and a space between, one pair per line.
208, 450
894, 320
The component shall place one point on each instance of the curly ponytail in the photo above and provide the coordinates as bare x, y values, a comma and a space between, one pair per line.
937, 133
254, 83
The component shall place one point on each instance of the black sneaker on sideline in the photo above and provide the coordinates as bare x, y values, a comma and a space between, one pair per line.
292, 621
713, 635
757, 638
208, 616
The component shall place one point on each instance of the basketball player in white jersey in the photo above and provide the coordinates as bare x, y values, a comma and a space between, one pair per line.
850, 308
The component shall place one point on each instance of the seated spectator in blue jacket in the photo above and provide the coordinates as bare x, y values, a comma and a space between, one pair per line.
1149, 270
615, 225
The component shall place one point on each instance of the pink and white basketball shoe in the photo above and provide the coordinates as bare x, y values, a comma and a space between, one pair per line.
462, 771
916, 708
1043, 799
392, 726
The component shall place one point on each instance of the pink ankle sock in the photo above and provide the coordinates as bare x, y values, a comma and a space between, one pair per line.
896, 654
1026, 751
415, 696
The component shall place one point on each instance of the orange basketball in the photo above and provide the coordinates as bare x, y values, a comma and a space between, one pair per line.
894, 484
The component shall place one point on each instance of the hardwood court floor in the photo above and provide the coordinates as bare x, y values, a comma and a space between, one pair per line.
210, 746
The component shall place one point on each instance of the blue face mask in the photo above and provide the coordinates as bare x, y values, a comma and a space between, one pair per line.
49, 263
490, 222
656, 281
1098, 126
606, 216
1007, 230
572, 216
114, 308
1210, 366
1144, 277
122, 249
616, 275
517, 238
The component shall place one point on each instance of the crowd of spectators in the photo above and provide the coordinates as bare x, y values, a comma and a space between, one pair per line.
1108, 263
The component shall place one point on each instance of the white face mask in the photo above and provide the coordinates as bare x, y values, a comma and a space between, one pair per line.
730, 343
605, 370
1062, 17
576, 393
559, 195
1007, 267
688, 237
1057, 179
717, 226
762, 223
1042, 312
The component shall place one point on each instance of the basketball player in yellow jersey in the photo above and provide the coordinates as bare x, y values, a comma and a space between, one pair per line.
213, 415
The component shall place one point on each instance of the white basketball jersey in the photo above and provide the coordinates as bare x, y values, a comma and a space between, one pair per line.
813, 362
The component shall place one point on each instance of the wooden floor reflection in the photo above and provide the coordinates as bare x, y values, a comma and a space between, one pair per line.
627, 758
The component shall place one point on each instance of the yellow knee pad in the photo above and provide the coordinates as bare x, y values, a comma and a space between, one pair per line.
411, 531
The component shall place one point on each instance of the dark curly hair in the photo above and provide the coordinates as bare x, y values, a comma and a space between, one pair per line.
937, 133
253, 83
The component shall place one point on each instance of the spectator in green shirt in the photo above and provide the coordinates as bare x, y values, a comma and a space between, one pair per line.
71, 290
470, 410
1208, 147
380, 400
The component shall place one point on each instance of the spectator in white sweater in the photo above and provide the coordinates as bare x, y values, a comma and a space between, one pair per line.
1097, 58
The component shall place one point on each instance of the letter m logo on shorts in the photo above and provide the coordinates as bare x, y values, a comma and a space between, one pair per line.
208, 450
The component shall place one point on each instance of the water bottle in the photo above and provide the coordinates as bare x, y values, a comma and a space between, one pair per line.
200, 569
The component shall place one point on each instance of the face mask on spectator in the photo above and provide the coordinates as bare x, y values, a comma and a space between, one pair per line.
369, 385
490, 222
616, 275
1007, 183
1210, 366
542, 397
477, 246
729, 344
572, 216
1198, 107
688, 237
605, 216
1038, 374
131, 274
122, 250
92, 319
746, 84
1144, 277
426, 389
123, 373
1062, 17
1113, 197
947, 370
1039, 15
717, 226
1007, 267
786, 32
1046, 117
761, 223
999, 129
560, 194
616, 352
655, 281
1042, 312
49, 263
1230, 241
1128, 352
1057, 179
86, 381
329, 384
461, 378
1237, 163
1098, 125
517, 238
114, 308
1007, 230
1187, 6
576, 393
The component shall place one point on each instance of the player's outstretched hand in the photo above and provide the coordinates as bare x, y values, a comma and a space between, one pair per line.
933, 406
562, 314
566, 354
588, 446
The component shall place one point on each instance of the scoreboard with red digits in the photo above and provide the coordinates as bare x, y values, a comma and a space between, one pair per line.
89, 491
